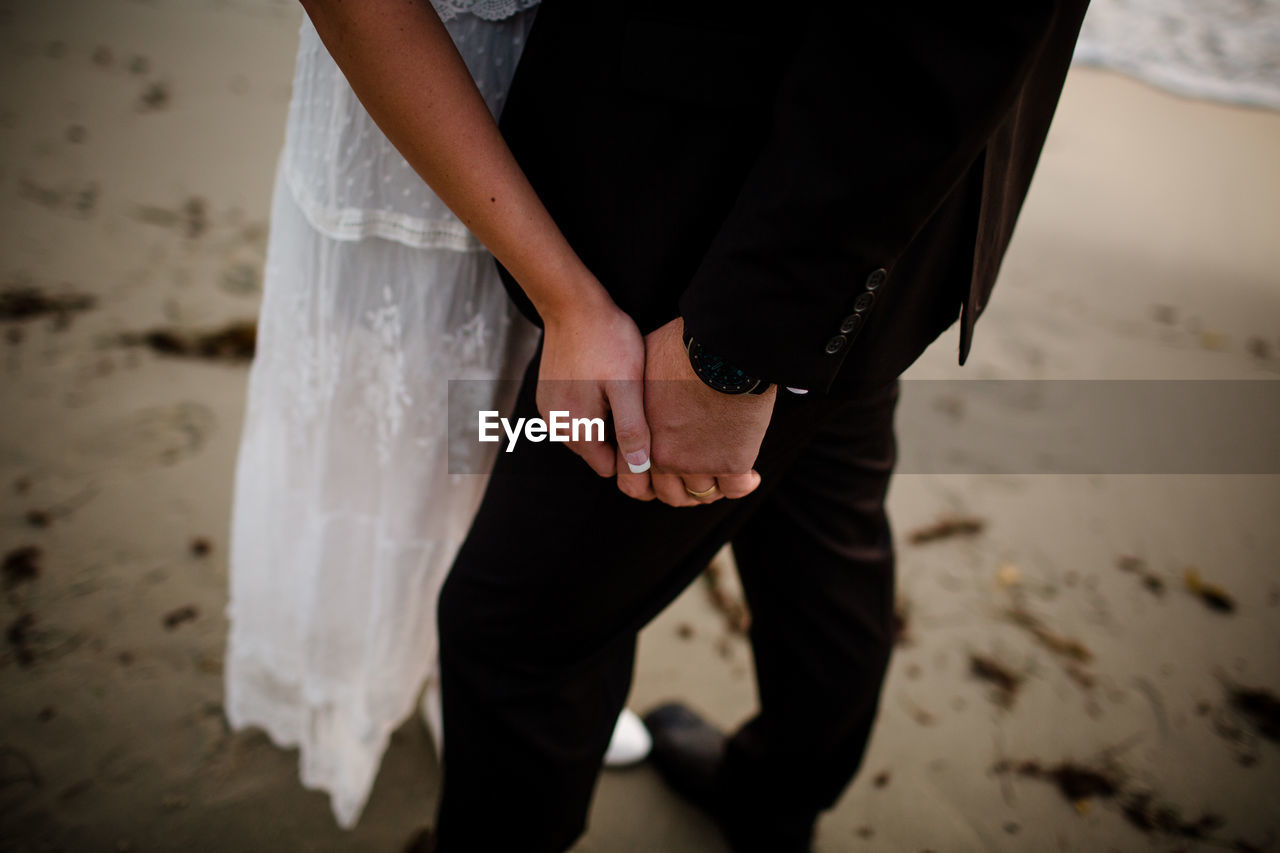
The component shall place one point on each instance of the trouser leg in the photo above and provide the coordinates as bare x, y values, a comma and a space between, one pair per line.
537, 624
538, 620
817, 567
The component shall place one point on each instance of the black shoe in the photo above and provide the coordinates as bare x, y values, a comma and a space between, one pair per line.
688, 752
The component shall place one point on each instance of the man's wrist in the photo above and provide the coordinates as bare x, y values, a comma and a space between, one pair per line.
718, 374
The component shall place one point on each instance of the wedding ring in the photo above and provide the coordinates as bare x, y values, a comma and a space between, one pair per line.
700, 495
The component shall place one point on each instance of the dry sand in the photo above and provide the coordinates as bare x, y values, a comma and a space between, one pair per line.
137, 143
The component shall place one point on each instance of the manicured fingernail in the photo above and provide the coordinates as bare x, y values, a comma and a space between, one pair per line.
637, 461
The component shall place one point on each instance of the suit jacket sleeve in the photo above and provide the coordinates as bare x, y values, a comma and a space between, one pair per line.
883, 109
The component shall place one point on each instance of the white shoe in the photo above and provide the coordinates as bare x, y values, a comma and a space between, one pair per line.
631, 741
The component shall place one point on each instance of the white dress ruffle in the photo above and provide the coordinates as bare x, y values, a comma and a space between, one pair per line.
345, 517
489, 10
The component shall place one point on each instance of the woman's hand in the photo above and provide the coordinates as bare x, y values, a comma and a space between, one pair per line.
593, 367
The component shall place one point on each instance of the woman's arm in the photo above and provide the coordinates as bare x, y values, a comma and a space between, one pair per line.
402, 64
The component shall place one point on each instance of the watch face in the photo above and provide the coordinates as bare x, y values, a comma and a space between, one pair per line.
718, 373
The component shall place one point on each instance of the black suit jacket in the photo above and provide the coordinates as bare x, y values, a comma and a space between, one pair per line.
751, 169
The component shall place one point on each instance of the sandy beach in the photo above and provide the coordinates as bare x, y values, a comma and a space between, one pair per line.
1087, 661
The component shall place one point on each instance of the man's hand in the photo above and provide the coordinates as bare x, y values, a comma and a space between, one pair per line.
701, 439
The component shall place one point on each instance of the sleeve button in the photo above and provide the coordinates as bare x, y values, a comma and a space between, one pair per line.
851, 324
863, 303
835, 344
876, 278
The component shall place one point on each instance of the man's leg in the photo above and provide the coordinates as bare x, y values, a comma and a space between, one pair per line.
817, 567
537, 628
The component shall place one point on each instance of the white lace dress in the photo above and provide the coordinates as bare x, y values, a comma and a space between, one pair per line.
345, 517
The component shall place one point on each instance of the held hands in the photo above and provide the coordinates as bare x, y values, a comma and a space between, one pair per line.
596, 364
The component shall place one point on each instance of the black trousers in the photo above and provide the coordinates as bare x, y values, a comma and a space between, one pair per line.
539, 615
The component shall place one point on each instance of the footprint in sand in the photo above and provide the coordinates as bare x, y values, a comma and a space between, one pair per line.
159, 435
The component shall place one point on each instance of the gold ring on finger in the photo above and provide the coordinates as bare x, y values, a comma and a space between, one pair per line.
700, 495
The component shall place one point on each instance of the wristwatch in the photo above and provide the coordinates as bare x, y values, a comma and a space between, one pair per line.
718, 374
